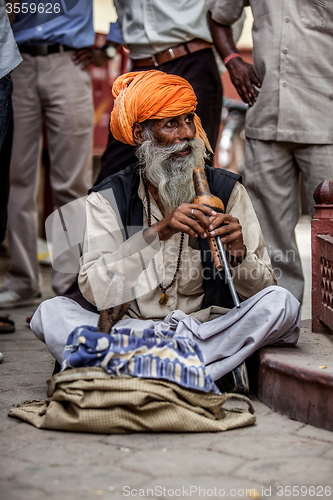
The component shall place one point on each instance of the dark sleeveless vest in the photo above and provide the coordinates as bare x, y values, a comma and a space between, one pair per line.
129, 210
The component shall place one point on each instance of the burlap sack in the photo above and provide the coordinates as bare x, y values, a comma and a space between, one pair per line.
89, 400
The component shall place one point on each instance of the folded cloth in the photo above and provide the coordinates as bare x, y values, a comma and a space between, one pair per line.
90, 400
133, 381
146, 353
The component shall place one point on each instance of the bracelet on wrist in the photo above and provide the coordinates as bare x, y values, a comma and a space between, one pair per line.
231, 56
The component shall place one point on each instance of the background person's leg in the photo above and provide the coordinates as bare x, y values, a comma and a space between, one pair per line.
316, 164
5, 106
271, 178
69, 114
23, 275
6, 139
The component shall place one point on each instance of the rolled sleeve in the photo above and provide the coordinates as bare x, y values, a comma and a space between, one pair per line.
115, 34
226, 12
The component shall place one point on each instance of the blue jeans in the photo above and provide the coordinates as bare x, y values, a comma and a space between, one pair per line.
6, 137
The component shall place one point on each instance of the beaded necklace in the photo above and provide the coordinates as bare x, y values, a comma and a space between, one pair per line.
164, 297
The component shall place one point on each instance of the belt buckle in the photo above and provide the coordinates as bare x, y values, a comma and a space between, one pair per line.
172, 54
154, 61
42, 50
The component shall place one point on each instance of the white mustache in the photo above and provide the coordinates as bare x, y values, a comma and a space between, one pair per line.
177, 148
172, 175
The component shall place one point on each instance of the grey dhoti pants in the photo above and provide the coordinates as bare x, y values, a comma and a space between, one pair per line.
272, 316
54, 88
272, 171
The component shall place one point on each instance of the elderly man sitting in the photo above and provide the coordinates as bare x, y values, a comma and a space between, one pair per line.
142, 222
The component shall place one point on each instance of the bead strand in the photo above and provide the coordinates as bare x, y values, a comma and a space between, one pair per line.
164, 297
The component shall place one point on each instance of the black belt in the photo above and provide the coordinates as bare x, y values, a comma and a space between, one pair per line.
43, 50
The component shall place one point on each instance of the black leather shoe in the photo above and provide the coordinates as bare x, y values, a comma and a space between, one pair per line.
235, 381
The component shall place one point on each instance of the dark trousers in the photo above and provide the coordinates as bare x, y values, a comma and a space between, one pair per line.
200, 70
6, 139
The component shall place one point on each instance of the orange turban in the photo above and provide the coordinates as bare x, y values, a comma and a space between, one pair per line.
150, 95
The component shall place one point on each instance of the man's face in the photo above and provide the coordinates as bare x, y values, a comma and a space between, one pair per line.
175, 130
169, 152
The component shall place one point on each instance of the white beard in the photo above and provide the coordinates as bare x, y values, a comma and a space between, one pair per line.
172, 176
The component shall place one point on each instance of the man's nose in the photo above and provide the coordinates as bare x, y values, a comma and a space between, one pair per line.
186, 131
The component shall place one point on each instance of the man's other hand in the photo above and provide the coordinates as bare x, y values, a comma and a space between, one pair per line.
189, 218
230, 232
244, 79
85, 57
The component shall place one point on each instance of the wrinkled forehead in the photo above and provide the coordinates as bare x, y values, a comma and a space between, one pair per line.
150, 122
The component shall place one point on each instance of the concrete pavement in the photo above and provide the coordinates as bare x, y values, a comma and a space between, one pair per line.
263, 460
38, 464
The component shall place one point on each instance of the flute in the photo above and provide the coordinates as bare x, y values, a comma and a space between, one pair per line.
204, 196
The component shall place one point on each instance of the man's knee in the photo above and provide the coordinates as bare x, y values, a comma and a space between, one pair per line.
287, 311
49, 324
47, 309
283, 300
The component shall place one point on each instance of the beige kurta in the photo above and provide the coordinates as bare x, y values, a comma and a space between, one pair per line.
104, 248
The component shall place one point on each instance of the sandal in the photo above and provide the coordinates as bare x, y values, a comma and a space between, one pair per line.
6, 325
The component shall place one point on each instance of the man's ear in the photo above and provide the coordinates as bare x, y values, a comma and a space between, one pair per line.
138, 134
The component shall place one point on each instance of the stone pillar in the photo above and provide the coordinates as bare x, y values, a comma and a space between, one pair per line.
322, 258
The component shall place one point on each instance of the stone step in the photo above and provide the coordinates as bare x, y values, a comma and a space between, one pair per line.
298, 381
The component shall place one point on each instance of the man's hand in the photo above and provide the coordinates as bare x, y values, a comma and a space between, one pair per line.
188, 218
244, 78
241, 73
230, 233
85, 57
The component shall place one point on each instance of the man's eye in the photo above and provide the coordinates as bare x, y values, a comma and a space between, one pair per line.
170, 123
